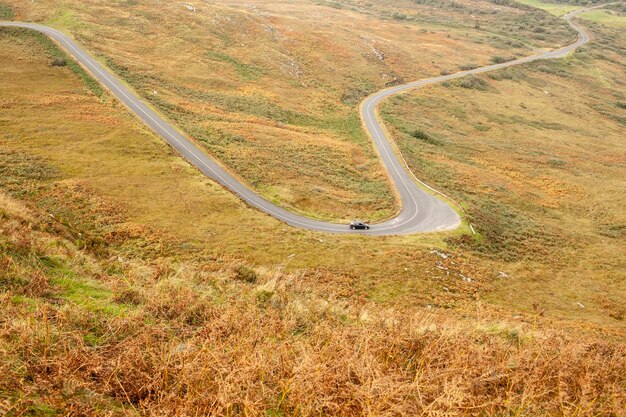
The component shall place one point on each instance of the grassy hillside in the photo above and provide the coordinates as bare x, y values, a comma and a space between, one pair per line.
271, 88
536, 155
132, 285
90, 332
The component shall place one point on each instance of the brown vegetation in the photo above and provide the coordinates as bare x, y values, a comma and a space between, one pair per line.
84, 333
131, 285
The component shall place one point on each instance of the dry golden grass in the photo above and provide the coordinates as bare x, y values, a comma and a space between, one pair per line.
537, 156
271, 88
94, 145
101, 147
131, 285
86, 333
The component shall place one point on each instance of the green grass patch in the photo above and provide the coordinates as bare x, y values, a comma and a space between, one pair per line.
6, 12
22, 174
605, 17
89, 294
84, 292
42, 410
64, 19
557, 9
246, 71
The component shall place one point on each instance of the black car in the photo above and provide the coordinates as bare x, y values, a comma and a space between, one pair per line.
358, 224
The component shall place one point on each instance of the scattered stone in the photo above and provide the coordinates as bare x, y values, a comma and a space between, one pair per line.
378, 53
466, 279
291, 67
503, 274
276, 35
442, 255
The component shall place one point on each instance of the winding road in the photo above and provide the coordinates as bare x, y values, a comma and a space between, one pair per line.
422, 211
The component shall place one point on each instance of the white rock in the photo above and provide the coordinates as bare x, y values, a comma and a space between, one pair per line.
440, 254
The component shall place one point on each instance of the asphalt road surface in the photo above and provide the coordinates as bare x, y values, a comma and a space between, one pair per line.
422, 210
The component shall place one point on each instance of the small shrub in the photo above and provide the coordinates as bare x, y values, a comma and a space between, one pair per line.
552, 69
497, 59
264, 297
425, 137
354, 95
556, 162
547, 69
473, 83
506, 74
419, 134
468, 67
243, 273
399, 16
58, 61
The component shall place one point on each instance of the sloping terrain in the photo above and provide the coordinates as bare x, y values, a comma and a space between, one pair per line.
537, 155
271, 88
93, 332
112, 302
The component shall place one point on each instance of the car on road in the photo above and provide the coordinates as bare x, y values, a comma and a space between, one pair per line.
358, 224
